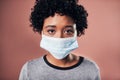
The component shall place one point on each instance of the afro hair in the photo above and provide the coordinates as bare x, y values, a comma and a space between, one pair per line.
45, 8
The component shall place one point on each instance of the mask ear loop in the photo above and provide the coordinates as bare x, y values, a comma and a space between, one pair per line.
75, 31
42, 33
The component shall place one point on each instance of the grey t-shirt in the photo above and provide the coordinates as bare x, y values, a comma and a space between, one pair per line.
41, 69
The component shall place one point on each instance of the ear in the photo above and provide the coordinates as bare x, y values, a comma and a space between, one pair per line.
79, 35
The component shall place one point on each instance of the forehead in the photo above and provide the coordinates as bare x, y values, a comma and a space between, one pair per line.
58, 20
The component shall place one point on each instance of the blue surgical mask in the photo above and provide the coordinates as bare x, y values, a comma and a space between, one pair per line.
59, 48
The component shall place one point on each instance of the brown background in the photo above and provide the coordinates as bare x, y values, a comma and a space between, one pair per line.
18, 43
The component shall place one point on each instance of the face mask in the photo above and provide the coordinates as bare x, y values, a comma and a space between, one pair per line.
59, 48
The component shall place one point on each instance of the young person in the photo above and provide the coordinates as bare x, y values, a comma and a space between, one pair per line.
60, 23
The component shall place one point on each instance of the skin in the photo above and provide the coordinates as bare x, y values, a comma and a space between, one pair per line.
60, 27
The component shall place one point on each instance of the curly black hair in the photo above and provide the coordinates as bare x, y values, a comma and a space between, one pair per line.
45, 8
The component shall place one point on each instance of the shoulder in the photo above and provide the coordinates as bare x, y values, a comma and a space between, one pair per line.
90, 64
90, 68
35, 62
30, 66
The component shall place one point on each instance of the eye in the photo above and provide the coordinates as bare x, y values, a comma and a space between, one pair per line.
69, 32
51, 31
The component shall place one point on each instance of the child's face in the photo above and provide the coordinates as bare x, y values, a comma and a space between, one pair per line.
59, 26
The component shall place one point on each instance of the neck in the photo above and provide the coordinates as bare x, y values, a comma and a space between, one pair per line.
67, 61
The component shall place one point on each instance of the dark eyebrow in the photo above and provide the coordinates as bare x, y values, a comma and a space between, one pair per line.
50, 26
69, 26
